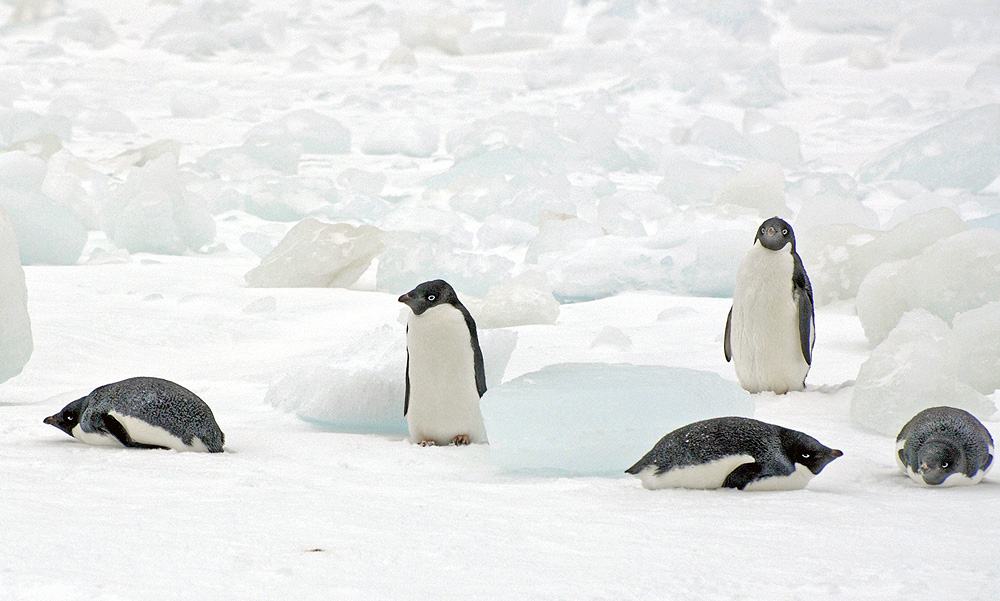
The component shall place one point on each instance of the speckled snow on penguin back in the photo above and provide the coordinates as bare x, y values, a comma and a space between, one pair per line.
733, 452
944, 446
153, 413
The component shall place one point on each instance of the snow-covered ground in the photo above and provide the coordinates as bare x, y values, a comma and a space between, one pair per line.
620, 153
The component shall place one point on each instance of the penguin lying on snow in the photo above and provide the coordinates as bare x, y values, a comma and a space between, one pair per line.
770, 331
944, 446
733, 452
444, 368
142, 412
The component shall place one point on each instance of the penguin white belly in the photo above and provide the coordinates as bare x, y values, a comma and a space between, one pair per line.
794, 481
444, 399
764, 332
146, 433
708, 475
94, 438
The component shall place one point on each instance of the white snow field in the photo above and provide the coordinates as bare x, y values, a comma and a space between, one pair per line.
588, 175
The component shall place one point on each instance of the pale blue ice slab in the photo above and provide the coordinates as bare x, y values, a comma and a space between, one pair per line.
597, 419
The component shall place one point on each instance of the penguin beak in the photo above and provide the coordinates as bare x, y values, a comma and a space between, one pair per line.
406, 298
771, 231
837, 453
923, 468
50, 420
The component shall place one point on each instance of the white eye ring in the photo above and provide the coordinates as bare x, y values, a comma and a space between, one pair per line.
784, 232
944, 465
431, 297
805, 455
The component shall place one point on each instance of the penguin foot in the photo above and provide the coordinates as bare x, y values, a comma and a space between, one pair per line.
426, 443
461, 440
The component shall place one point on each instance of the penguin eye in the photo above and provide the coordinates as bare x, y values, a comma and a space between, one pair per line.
804, 455
944, 465
69, 418
762, 230
784, 232
431, 297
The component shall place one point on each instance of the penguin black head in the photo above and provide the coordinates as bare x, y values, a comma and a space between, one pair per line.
939, 459
430, 294
804, 449
774, 234
68, 418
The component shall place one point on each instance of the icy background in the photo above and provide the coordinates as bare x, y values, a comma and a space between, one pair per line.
231, 194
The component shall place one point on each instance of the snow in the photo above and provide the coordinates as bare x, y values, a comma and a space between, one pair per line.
573, 418
615, 139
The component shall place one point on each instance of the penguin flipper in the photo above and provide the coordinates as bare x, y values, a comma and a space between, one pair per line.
406, 399
743, 475
116, 429
727, 345
802, 292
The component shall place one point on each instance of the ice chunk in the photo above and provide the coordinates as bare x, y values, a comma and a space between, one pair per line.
687, 182
613, 338
316, 132
360, 387
365, 182
48, 233
773, 142
410, 137
976, 347
411, 258
193, 104
826, 251
316, 254
597, 419
758, 186
866, 57
961, 153
401, 58
556, 234
847, 16
605, 266
761, 85
920, 35
986, 75
535, 15
15, 326
828, 209
921, 202
504, 231
87, 26
150, 212
440, 31
717, 258
952, 275
107, 119
721, 136
909, 371
17, 125
520, 301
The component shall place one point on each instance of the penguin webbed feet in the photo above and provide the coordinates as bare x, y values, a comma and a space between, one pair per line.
461, 440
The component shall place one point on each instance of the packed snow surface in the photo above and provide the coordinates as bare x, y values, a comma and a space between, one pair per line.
587, 175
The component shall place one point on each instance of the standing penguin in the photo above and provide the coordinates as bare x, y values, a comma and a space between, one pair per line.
733, 452
444, 368
770, 331
145, 413
944, 446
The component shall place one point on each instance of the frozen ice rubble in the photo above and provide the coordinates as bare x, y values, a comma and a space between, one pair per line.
360, 387
961, 153
15, 327
924, 363
955, 274
598, 418
48, 232
316, 254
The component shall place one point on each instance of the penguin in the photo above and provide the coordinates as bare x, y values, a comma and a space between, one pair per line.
733, 452
147, 413
445, 377
770, 331
944, 446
